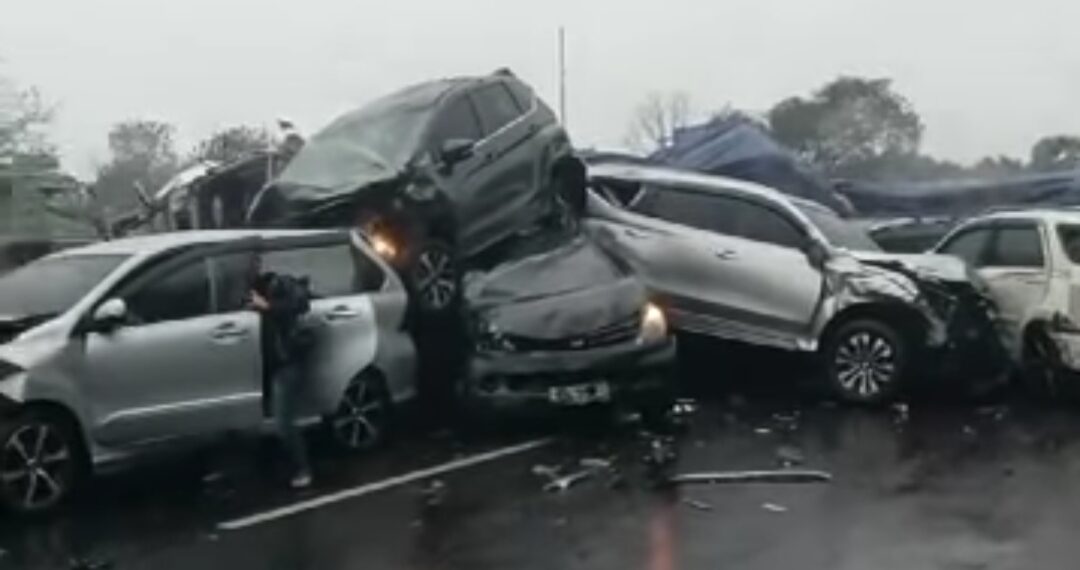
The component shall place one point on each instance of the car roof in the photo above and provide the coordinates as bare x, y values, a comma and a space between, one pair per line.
1055, 215
156, 243
700, 181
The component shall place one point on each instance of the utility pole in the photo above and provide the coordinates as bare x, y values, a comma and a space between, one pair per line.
562, 76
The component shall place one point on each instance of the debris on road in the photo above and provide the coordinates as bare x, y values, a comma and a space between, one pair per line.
696, 504
762, 431
772, 476
596, 462
789, 455
549, 471
79, 563
563, 483
434, 493
774, 508
901, 411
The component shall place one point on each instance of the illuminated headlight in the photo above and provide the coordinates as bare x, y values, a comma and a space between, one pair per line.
383, 245
653, 324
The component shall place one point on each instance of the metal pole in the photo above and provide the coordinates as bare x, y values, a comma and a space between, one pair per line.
562, 75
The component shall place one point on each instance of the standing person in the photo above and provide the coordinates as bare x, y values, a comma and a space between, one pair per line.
282, 300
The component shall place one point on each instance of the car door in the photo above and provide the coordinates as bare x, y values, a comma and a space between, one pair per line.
1015, 269
185, 363
342, 316
726, 266
509, 196
461, 181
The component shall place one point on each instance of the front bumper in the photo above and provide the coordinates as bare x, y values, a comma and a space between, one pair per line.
502, 380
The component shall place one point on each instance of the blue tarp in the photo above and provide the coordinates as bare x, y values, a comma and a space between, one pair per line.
740, 149
963, 197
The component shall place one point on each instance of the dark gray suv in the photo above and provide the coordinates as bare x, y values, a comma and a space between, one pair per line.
434, 174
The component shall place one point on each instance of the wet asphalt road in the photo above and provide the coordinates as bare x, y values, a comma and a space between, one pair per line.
957, 485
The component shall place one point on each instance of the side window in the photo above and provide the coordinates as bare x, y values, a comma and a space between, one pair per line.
969, 245
683, 207
330, 269
496, 107
1016, 246
457, 121
230, 281
522, 94
182, 294
759, 223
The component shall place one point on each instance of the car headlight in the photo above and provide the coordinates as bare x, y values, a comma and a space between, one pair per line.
383, 245
490, 338
653, 324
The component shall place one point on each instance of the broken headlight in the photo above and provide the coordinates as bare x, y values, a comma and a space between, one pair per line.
490, 339
653, 324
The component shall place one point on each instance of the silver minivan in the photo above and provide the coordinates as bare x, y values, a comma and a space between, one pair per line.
116, 349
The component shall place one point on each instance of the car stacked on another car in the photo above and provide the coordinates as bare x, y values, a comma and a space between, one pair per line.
118, 349
435, 173
739, 261
1030, 260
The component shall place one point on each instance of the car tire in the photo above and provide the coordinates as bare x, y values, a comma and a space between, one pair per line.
42, 462
363, 418
1040, 365
434, 278
866, 361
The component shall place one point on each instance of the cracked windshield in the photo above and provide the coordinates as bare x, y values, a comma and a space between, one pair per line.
485, 285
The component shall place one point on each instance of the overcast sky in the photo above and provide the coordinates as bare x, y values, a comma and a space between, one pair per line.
987, 76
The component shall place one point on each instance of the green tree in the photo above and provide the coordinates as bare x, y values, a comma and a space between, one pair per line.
23, 119
1057, 152
143, 155
231, 144
848, 124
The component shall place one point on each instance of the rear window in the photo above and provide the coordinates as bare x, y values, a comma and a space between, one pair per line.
1070, 241
1016, 247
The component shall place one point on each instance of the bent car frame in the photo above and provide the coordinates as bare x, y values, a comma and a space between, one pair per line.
740, 261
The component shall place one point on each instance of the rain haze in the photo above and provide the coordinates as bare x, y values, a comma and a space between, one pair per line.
987, 78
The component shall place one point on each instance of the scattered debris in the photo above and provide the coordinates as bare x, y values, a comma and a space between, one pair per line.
684, 407
596, 463
998, 413
762, 431
563, 483
696, 504
901, 411
434, 493
79, 563
773, 476
774, 508
660, 457
789, 456
549, 471
970, 431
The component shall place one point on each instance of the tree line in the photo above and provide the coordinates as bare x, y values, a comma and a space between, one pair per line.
851, 128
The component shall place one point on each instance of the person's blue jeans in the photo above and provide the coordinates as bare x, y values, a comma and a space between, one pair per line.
287, 382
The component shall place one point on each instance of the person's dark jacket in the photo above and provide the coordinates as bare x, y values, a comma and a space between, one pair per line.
284, 338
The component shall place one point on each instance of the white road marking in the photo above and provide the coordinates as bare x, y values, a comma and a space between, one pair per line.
317, 502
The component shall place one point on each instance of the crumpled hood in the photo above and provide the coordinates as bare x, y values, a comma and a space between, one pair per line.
282, 204
570, 290
927, 265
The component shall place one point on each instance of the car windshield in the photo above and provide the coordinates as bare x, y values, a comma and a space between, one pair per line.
52, 285
375, 141
839, 232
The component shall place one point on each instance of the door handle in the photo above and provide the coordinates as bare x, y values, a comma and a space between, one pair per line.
227, 331
725, 254
341, 313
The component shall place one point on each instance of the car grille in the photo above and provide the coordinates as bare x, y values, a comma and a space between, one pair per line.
623, 331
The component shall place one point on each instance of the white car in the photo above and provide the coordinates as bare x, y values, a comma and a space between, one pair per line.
1029, 260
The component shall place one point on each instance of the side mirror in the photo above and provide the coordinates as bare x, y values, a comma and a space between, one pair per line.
817, 254
110, 314
454, 151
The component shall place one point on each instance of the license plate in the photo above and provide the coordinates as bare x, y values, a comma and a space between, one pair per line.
580, 394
